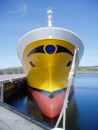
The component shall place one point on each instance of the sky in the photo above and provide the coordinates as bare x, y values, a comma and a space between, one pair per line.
18, 17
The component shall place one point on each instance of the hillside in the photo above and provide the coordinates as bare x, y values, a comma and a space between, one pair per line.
87, 69
81, 69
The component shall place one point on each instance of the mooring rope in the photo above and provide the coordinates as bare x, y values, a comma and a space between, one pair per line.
65, 105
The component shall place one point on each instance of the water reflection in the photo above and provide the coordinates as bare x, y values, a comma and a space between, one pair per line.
23, 103
72, 116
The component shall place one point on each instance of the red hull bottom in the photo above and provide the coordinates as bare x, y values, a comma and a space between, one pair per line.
51, 107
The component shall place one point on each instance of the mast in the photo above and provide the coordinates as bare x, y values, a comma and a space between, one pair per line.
49, 12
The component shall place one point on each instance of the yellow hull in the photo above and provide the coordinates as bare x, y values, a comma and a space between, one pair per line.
48, 71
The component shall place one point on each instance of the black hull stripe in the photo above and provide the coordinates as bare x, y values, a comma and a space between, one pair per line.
40, 49
50, 94
36, 50
63, 49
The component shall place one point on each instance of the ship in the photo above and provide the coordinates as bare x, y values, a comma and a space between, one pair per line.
47, 56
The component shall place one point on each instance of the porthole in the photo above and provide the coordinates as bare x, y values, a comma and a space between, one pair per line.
32, 64
69, 64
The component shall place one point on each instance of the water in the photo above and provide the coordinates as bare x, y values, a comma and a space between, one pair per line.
86, 94
82, 113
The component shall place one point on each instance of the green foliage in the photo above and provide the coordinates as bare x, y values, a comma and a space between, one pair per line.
12, 70
87, 69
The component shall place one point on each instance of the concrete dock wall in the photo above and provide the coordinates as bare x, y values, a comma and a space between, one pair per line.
13, 119
0, 90
11, 87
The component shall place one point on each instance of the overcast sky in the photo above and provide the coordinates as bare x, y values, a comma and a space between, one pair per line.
17, 17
